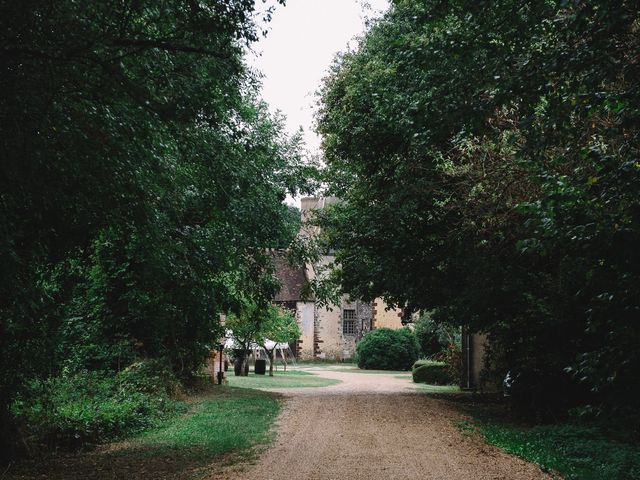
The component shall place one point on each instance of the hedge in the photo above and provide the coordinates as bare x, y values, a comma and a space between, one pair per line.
433, 373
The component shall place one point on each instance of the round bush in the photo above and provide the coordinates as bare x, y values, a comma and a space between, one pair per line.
433, 373
387, 349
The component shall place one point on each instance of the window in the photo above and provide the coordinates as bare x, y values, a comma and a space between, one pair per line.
366, 325
348, 322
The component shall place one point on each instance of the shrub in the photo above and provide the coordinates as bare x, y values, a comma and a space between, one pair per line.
422, 361
451, 356
91, 407
387, 349
433, 373
428, 336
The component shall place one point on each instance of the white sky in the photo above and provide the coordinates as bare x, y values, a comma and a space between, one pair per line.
303, 38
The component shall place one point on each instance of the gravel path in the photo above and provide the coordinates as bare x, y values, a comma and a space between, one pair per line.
375, 426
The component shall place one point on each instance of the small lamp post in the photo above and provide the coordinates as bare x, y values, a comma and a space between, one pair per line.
220, 370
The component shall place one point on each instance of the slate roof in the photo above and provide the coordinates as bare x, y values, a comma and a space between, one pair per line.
293, 280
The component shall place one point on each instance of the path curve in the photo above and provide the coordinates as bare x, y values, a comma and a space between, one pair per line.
376, 426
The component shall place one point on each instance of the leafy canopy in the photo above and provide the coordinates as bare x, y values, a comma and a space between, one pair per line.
487, 158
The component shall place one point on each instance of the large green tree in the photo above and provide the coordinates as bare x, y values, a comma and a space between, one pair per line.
487, 158
141, 181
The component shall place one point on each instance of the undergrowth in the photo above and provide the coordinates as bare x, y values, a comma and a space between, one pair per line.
577, 450
90, 407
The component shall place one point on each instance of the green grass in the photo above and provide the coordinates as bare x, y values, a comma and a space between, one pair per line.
292, 379
231, 419
355, 369
289, 372
319, 362
423, 387
222, 425
578, 452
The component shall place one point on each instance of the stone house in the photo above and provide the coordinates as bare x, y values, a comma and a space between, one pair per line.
328, 332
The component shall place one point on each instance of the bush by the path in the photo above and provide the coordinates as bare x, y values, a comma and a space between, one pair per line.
433, 373
387, 349
91, 407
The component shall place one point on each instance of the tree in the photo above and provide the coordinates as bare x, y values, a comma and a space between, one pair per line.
486, 155
265, 325
246, 328
280, 327
142, 180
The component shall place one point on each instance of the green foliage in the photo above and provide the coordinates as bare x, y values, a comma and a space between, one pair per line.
90, 406
265, 325
218, 426
291, 228
246, 325
142, 182
486, 155
433, 373
280, 326
424, 361
578, 452
451, 356
387, 349
429, 336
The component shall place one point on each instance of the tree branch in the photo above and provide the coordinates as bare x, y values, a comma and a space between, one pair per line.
168, 46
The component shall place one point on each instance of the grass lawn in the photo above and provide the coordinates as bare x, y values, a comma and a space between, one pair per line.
289, 379
232, 419
352, 368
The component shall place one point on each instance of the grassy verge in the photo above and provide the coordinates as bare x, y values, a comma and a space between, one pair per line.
222, 425
423, 387
578, 452
575, 450
231, 420
291, 379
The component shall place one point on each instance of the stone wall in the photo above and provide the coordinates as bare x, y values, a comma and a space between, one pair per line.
305, 314
386, 318
330, 342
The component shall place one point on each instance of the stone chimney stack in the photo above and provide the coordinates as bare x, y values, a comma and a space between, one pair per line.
307, 205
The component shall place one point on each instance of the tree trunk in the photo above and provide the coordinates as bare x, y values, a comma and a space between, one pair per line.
241, 364
270, 353
237, 366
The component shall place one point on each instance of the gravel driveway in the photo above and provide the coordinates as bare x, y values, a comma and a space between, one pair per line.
375, 426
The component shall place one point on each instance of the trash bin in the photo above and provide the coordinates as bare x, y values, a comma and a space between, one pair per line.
261, 367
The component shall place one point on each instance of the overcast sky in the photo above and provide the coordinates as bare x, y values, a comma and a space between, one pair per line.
303, 38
